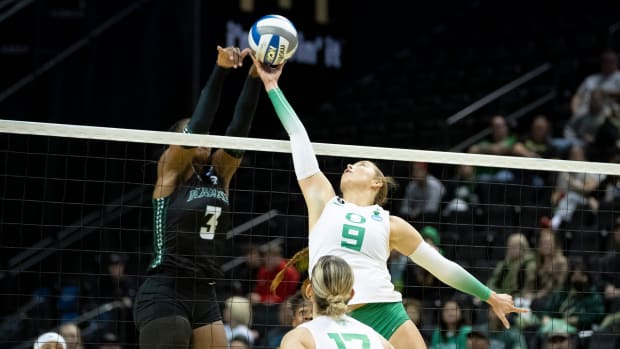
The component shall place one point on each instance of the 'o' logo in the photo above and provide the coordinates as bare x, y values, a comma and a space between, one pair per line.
355, 218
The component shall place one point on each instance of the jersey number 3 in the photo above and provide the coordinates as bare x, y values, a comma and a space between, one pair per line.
341, 338
353, 235
212, 213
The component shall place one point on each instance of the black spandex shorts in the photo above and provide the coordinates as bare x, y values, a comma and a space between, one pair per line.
162, 295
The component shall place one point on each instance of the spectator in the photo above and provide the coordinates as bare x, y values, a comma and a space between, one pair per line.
611, 192
579, 304
461, 190
243, 276
119, 286
267, 304
397, 264
581, 130
606, 145
414, 310
573, 190
610, 273
423, 193
300, 308
607, 81
237, 316
551, 266
478, 340
537, 143
452, 331
274, 262
295, 311
50, 340
517, 271
72, 335
501, 142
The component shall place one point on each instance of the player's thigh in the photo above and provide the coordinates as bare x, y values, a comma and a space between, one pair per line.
407, 336
211, 336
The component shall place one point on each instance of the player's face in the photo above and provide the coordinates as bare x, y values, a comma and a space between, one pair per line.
359, 172
302, 314
202, 153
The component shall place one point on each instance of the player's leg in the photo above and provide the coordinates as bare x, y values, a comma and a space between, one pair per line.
211, 336
208, 330
392, 322
160, 316
407, 336
170, 332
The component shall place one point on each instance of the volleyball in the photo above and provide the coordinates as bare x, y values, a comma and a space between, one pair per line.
273, 38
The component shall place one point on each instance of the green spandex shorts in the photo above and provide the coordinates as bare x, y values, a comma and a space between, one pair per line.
384, 318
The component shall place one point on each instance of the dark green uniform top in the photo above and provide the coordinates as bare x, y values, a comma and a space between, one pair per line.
188, 227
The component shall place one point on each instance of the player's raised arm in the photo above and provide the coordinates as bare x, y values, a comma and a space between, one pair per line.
316, 188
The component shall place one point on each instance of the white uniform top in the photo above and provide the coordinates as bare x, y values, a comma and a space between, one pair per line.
360, 235
343, 332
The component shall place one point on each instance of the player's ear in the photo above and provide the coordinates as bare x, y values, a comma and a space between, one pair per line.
351, 295
308, 293
376, 184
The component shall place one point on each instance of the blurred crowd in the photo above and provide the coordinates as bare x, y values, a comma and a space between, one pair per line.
550, 239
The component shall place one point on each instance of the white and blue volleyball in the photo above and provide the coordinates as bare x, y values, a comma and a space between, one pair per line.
273, 38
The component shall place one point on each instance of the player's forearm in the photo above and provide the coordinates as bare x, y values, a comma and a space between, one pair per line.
244, 112
304, 159
287, 115
208, 103
449, 272
245, 108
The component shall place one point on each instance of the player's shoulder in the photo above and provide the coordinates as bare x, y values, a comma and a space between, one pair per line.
397, 220
299, 337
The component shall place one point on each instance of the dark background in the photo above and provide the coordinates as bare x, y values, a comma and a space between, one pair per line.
405, 70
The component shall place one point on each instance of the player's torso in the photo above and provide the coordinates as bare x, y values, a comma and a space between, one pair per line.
189, 223
342, 333
360, 235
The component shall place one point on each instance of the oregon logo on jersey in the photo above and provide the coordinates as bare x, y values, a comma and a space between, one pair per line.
353, 234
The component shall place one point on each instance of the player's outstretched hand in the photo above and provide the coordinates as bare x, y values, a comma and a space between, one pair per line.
268, 73
231, 57
502, 304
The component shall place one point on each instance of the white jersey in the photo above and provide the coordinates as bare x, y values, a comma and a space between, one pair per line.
342, 333
360, 235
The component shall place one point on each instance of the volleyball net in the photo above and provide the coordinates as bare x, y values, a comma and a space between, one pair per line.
76, 214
